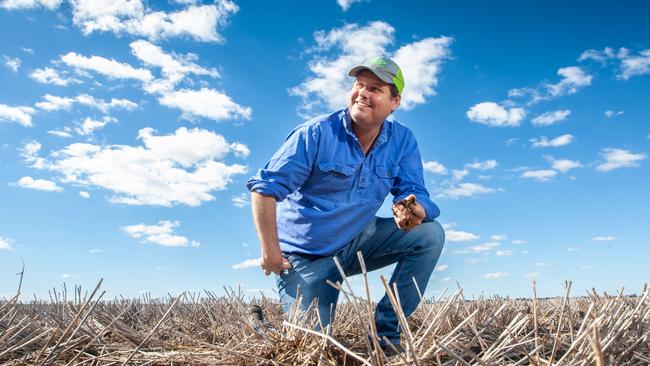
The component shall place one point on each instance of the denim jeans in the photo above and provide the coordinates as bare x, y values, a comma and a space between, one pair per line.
416, 253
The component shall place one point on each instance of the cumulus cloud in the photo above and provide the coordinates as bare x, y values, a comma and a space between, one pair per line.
107, 67
161, 234
345, 4
532, 274
248, 263
495, 275
434, 167
610, 113
603, 238
499, 237
619, 158
517, 241
207, 103
55, 103
573, 79
342, 48
635, 65
551, 118
556, 142
133, 17
49, 75
452, 235
464, 190
29, 4
20, 115
494, 115
5, 243
12, 63
38, 184
504, 253
241, 200
89, 125
539, 175
483, 165
180, 168
563, 165
174, 68
542, 264
441, 267
84, 194
482, 248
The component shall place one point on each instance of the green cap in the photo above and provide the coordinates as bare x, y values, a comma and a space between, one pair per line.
385, 69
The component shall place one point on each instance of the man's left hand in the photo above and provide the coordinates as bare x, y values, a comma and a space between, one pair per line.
408, 213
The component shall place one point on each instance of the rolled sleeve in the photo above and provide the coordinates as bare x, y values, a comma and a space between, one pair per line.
289, 167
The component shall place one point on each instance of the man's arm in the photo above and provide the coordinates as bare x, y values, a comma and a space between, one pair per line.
267, 232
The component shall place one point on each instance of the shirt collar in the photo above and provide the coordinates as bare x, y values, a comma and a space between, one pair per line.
347, 123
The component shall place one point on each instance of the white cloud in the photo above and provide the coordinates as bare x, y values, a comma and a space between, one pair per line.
5, 243
162, 234
441, 267
181, 168
345, 4
446, 279
574, 249
241, 200
495, 275
51, 76
603, 238
517, 241
109, 68
434, 167
59, 133
459, 236
610, 113
635, 65
329, 85
248, 263
207, 103
457, 175
556, 142
585, 268
173, 67
54, 103
499, 237
84, 194
483, 165
95, 251
564, 165
573, 79
30, 4
240, 149
65, 275
39, 184
539, 175
542, 264
20, 115
551, 118
494, 115
482, 248
132, 17
89, 125
619, 158
464, 190
600, 56
474, 261
12, 63
504, 253
532, 274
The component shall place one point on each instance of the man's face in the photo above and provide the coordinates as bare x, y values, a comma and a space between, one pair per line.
370, 100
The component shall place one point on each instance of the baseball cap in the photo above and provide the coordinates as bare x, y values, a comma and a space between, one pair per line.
385, 69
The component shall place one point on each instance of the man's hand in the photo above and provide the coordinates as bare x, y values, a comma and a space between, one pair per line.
274, 264
408, 213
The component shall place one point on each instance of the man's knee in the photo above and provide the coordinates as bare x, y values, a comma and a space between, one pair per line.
431, 235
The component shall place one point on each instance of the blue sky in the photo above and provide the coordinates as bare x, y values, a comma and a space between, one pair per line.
128, 130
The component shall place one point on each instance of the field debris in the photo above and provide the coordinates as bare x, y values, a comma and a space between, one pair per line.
205, 329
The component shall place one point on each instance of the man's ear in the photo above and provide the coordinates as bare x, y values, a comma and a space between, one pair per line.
396, 101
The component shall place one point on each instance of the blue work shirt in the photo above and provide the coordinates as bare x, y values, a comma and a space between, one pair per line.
327, 188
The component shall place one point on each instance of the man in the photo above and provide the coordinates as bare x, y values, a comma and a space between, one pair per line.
329, 178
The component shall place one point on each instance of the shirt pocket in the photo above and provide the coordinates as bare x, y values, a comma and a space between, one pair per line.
335, 180
384, 179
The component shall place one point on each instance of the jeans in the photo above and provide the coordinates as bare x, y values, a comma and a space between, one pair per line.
416, 253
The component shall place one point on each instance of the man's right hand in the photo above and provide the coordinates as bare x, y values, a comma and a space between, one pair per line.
275, 264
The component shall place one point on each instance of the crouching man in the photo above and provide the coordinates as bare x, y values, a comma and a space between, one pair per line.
328, 180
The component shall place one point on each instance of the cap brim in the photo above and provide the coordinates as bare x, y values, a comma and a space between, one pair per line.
383, 76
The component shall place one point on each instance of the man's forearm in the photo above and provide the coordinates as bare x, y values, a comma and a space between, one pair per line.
266, 225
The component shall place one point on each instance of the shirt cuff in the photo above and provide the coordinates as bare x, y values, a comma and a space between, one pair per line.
268, 189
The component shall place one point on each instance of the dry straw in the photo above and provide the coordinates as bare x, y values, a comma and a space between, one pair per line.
205, 329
